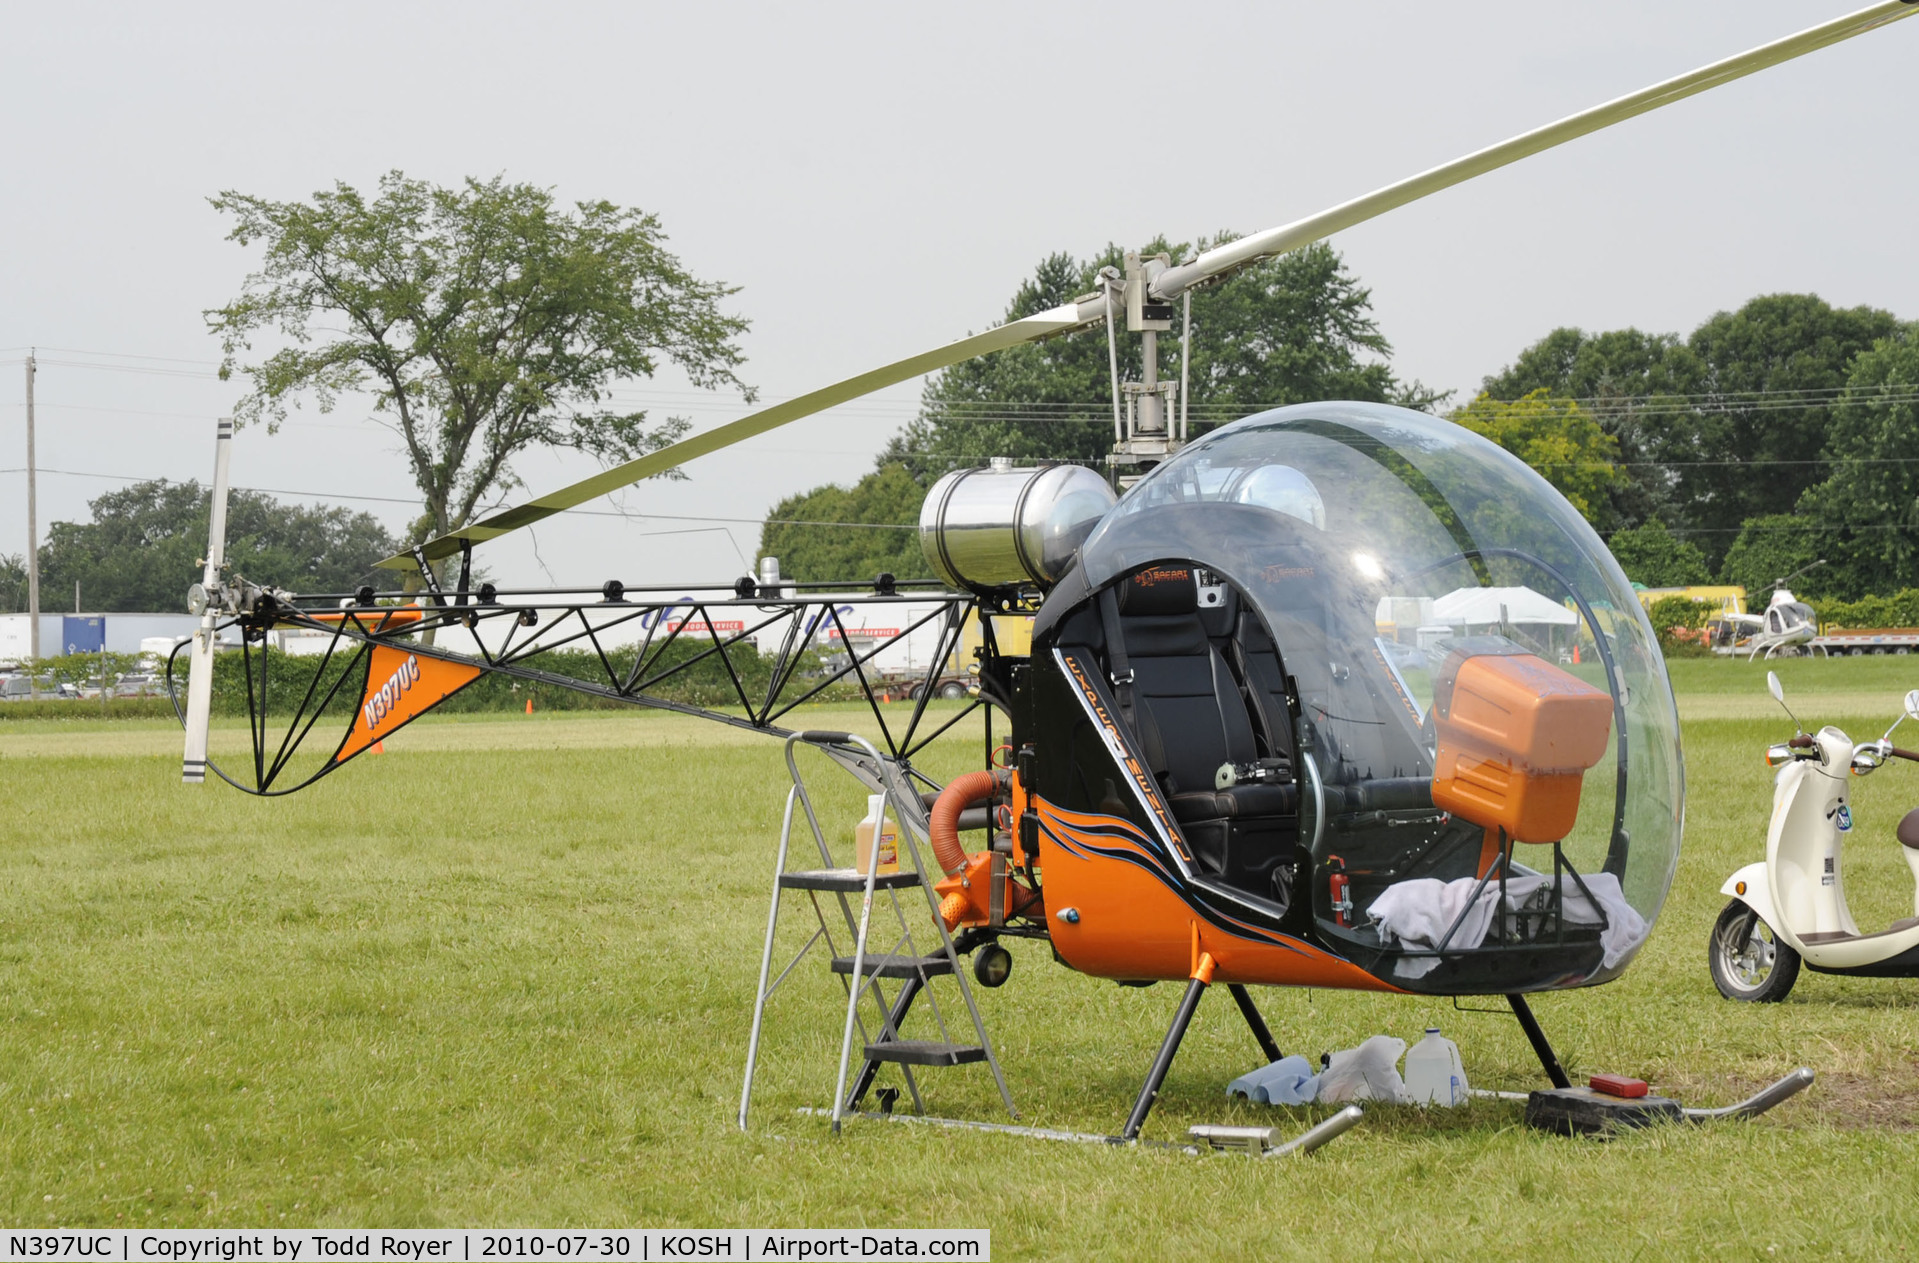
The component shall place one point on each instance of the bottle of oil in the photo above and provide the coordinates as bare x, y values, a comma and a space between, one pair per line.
888, 838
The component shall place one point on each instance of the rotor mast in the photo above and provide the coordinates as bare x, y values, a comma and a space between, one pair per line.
1149, 435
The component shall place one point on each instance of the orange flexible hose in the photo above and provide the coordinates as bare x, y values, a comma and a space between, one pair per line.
965, 791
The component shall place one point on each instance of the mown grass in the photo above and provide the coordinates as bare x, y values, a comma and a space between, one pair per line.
502, 973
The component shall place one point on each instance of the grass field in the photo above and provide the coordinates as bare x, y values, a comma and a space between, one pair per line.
502, 974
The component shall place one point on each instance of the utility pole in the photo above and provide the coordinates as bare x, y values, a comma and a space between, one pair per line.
33, 550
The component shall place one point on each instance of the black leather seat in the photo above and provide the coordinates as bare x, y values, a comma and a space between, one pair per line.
1192, 718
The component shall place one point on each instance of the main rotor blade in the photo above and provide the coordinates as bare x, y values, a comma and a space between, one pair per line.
1172, 282
1263, 245
1058, 320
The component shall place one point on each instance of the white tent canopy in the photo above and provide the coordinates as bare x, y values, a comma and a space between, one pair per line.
1473, 607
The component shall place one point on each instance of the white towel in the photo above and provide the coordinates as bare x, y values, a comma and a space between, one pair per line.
1419, 912
1369, 1072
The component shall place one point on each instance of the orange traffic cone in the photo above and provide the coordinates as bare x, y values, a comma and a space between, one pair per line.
529, 706
379, 747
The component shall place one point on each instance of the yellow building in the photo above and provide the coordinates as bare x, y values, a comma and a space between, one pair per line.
1724, 598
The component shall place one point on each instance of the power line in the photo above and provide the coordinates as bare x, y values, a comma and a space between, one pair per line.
627, 516
127, 355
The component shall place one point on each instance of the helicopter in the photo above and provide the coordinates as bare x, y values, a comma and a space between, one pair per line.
1787, 624
1239, 749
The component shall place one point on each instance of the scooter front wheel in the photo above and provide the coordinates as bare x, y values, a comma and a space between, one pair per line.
1749, 962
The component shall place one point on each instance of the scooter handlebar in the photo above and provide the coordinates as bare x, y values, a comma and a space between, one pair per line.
1897, 753
1801, 742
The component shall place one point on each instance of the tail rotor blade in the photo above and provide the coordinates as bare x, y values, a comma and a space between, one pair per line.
193, 767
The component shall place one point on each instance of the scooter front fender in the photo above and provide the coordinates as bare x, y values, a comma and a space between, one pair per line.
1757, 895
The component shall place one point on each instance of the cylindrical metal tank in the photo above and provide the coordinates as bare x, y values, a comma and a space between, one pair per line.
989, 527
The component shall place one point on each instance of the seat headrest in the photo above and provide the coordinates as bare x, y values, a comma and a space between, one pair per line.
1160, 590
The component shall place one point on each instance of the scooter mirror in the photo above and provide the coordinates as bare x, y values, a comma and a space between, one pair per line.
1912, 704
1779, 694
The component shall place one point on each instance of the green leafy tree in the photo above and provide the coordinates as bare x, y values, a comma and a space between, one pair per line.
13, 584
1295, 328
1758, 445
1678, 614
1777, 546
1726, 426
1868, 508
1606, 371
482, 320
143, 547
84, 669
1900, 609
1558, 438
1631, 381
868, 532
1654, 556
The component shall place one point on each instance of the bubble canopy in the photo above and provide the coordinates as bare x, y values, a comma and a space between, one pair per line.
1381, 549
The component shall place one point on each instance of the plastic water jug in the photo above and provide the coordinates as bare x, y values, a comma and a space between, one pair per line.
889, 839
1434, 1073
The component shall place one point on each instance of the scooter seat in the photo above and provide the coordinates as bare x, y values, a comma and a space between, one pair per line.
1909, 829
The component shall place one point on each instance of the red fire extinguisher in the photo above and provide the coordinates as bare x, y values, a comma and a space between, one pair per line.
1339, 887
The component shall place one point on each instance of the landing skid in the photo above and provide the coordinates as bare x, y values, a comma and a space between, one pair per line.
1261, 1142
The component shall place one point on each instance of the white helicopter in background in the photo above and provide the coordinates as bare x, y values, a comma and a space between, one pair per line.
1787, 624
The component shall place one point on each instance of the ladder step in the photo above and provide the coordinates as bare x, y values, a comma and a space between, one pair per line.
888, 966
925, 1052
846, 880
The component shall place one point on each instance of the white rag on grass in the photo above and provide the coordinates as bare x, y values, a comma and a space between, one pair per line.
1369, 1072
1419, 912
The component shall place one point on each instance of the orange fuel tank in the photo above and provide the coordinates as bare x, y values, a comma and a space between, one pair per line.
1515, 735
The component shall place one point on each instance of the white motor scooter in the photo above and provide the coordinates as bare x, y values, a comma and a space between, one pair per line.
1793, 906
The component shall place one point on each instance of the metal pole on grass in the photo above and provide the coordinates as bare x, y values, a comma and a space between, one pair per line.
33, 551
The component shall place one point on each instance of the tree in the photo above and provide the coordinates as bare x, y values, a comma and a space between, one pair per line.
1773, 370
1654, 556
1631, 382
1673, 616
842, 550
13, 584
1605, 371
483, 320
1866, 513
1772, 548
1558, 438
1292, 329
143, 547
1728, 425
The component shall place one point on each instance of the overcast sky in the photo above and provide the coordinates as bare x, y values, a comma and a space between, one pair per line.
877, 179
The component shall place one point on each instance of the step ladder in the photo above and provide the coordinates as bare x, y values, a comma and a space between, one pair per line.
863, 971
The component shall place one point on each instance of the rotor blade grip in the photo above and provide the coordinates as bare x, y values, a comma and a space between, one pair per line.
1261, 245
